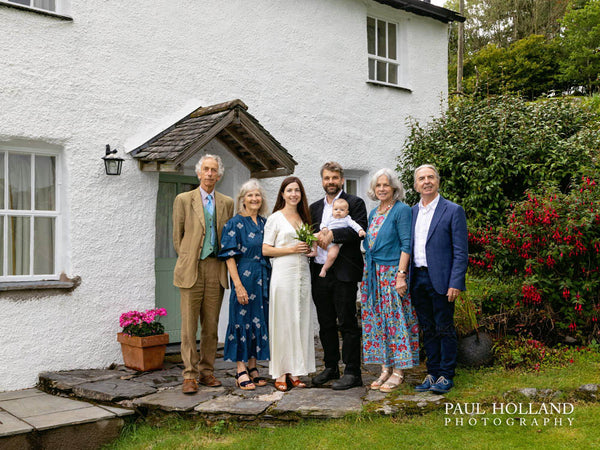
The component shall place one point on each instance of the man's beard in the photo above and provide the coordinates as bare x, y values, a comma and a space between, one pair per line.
334, 188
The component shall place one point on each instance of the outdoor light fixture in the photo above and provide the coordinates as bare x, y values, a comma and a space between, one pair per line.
112, 163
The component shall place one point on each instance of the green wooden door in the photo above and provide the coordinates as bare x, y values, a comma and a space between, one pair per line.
167, 295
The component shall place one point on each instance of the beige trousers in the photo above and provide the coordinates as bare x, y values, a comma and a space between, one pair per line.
201, 300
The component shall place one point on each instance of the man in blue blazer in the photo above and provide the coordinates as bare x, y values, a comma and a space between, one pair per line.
438, 268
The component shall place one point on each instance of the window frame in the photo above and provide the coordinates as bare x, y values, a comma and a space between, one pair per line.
400, 60
57, 214
62, 11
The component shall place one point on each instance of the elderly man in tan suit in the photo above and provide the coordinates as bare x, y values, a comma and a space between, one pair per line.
198, 219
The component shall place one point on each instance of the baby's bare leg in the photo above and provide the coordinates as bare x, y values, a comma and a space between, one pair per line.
332, 253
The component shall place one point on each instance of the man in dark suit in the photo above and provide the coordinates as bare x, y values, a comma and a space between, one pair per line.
335, 294
438, 268
198, 219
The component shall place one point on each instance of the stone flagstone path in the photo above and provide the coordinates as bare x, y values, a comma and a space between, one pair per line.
160, 391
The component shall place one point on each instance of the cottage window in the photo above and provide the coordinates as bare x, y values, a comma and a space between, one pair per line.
48, 5
29, 215
382, 44
57, 8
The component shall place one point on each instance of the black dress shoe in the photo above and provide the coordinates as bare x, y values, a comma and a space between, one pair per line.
346, 382
329, 373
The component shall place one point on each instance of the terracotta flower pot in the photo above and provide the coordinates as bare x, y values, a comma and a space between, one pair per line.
143, 353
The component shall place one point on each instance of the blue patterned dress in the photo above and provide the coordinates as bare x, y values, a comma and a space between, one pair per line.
390, 331
248, 330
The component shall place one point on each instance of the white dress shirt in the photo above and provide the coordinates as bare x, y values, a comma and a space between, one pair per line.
327, 214
422, 230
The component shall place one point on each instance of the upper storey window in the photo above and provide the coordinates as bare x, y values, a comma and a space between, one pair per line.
382, 42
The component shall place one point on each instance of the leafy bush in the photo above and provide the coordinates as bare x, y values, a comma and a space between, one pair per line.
551, 243
489, 152
530, 354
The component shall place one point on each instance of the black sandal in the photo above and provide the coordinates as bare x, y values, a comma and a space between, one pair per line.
247, 385
258, 381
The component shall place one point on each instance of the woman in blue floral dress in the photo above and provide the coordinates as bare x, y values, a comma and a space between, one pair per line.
389, 322
247, 337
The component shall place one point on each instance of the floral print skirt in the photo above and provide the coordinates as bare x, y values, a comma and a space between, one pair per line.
390, 331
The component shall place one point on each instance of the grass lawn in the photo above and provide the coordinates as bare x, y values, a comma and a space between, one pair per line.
436, 430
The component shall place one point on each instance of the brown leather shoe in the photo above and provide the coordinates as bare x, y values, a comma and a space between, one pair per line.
209, 380
189, 386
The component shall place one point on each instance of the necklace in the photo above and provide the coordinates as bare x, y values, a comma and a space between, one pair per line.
383, 209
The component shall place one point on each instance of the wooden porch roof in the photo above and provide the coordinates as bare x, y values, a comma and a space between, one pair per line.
233, 126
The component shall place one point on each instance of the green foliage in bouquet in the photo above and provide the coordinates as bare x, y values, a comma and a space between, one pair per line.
304, 233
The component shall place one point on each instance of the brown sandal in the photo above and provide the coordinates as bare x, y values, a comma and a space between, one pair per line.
281, 385
296, 383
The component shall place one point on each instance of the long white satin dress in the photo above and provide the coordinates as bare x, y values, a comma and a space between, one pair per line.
291, 332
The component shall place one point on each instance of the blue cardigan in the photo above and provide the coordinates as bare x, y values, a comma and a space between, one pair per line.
393, 237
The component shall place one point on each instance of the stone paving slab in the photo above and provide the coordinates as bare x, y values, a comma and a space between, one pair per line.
72, 417
161, 379
112, 390
320, 403
10, 425
119, 412
24, 393
65, 380
233, 404
175, 400
39, 405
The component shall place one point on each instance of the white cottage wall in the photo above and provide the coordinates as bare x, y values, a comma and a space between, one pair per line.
120, 69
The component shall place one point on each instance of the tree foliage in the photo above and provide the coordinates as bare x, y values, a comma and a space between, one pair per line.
581, 42
490, 151
529, 47
503, 22
528, 67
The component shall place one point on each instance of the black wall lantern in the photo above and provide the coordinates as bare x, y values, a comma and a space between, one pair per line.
112, 163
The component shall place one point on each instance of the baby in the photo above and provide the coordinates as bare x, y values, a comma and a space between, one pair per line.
339, 219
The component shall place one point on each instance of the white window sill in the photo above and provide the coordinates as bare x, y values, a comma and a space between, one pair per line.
395, 86
36, 10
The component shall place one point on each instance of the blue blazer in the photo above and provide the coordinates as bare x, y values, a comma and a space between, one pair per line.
447, 246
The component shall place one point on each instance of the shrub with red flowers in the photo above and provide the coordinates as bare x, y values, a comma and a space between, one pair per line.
146, 323
533, 355
551, 244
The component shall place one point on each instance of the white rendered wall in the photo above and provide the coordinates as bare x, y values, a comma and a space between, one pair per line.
124, 68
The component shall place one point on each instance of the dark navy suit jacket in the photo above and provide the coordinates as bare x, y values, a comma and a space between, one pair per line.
447, 246
349, 264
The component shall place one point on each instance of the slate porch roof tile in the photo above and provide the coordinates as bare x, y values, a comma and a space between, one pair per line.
245, 137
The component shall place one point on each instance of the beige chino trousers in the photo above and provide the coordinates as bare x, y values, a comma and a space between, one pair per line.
202, 300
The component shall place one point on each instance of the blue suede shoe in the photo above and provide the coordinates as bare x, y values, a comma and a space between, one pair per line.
426, 385
442, 386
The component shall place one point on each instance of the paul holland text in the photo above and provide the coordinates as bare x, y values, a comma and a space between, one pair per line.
522, 414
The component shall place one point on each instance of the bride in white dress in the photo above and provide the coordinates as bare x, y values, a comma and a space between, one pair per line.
291, 334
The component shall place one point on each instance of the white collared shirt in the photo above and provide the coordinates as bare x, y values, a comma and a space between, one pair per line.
205, 196
327, 214
422, 230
